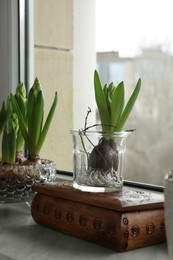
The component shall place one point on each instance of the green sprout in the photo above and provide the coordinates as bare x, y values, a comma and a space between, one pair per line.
9, 139
110, 102
3, 116
34, 132
21, 100
12, 140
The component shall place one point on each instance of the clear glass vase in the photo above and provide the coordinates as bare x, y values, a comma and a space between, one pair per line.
16, 180
168, 205
98, 160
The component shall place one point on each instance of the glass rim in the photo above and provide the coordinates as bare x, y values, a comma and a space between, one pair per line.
101, 133
45, 163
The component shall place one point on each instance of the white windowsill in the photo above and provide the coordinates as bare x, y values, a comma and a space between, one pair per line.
22, 239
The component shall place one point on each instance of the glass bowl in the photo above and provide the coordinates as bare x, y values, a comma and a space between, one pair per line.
16, 180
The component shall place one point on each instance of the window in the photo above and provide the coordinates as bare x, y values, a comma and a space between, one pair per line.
143, 44
142, 47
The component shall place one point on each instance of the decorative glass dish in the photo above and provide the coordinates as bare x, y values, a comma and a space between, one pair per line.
16, 180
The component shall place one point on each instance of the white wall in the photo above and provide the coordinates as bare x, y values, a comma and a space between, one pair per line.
53, 65
84, 61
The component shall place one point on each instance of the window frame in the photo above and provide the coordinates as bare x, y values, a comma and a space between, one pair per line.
26, 42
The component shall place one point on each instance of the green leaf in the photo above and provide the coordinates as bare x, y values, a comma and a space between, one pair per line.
4, 112
22, 103
19, 141
129, 106
106, 94
22, 123
37, 120
30, 114
5, 147
47, 124
105, 90
12, 146
101, 102
9, 146
117, 104
110, 90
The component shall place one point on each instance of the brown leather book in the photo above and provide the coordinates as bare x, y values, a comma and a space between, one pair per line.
122, 221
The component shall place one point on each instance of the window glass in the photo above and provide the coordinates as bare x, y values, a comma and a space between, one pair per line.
134, 39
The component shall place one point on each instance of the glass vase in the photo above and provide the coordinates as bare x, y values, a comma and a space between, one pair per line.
98, 160
168, 206
16, 181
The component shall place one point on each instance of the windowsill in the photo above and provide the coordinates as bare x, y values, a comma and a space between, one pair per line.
24, 239
21, 238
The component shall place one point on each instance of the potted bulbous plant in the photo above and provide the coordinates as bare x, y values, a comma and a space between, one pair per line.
99, 154
22, 125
